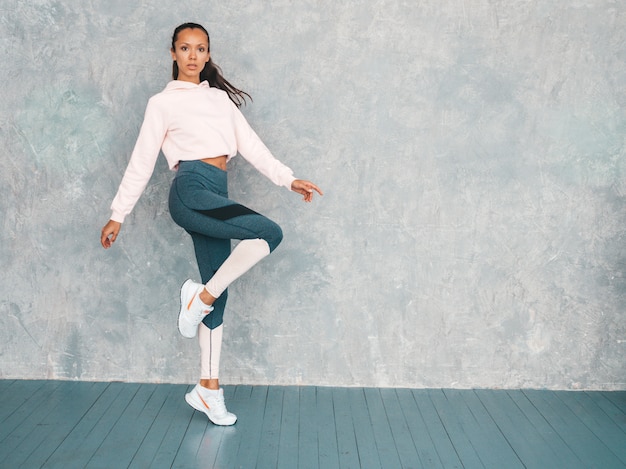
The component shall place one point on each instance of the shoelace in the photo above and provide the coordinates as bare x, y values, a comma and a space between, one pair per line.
219, 406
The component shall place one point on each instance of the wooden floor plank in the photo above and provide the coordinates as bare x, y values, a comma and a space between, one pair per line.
14, 394
462, 444
381, 428
289, 424
346, 439
53, 430
181, 414
249, 427
31, 432
326, 429
364, 433
403, 441
308, 454
7, 383
198, 432
174, 419
85, 425
131, 428
68, 452
529, 445
606, 402
597, 421
493, 448
217, 445
587, 447
38, 400
270, 431
226, 456
543, 427
426, 449
618, 398
82, 443
172, 441
483, 444
438, 434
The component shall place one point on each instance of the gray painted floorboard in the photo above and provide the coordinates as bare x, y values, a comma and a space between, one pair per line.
62, 424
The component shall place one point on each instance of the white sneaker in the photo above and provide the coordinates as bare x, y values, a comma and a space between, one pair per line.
211, 403
192, 309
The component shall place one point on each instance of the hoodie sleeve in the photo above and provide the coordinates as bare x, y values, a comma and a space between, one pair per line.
142, 162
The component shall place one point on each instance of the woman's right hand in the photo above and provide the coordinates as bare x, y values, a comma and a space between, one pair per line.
109, 233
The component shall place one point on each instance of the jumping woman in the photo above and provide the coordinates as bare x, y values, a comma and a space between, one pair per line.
197, 124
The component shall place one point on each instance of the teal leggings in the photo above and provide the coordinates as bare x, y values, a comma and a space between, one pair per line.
199, 203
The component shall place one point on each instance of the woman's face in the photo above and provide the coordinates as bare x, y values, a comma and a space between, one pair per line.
191, 54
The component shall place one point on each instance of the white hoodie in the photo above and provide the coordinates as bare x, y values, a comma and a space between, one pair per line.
192, 122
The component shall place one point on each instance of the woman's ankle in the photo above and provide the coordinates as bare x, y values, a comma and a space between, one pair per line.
206, 297
212, 384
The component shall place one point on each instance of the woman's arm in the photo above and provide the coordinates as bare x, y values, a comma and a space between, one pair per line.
142, 162
138, 173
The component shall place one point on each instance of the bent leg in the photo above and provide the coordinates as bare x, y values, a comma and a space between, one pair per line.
245, 255
199, 203
208, 214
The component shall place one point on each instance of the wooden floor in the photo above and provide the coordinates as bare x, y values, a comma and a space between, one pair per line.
56, 424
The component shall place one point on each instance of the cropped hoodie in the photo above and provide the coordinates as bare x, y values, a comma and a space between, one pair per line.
192, 122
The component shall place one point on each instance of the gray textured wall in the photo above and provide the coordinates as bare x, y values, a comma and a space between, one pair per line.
473, 228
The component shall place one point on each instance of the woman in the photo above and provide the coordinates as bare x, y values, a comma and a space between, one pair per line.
197, 124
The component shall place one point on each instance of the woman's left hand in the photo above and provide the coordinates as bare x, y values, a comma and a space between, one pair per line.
305, 188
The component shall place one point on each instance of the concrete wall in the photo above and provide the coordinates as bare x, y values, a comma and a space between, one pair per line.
474, 224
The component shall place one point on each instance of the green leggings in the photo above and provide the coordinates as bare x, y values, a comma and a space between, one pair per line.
199, 203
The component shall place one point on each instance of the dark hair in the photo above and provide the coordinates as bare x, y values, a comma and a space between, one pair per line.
211, 72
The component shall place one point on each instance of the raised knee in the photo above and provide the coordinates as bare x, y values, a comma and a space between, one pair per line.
275, 236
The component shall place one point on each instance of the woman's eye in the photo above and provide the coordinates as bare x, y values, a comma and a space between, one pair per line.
183, 48
201, 49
